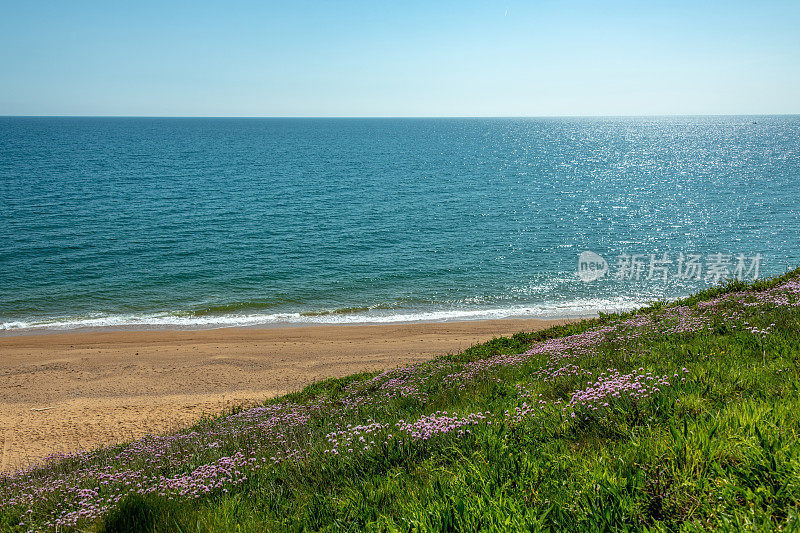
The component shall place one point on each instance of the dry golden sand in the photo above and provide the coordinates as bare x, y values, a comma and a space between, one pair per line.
77, 391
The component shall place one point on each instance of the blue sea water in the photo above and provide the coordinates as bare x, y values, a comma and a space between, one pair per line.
151, 222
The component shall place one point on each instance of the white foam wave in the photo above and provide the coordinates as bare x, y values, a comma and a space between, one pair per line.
572, 309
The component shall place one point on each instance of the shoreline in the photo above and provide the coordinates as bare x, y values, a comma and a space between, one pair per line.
224, 322
62, 392
170, 328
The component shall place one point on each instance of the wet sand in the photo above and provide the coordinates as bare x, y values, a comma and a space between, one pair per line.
76, 391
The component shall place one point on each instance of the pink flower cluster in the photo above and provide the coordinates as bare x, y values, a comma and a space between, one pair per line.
362, 438
611, 385
357, 438
160, 464
763, 332
442, 423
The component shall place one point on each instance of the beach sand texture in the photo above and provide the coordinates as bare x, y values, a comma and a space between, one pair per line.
76, 391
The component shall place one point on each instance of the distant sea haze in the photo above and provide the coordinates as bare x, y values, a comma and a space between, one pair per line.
192, 223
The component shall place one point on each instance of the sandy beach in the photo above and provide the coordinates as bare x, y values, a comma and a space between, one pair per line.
76, 391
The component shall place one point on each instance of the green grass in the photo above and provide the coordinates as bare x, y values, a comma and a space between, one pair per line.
715, 450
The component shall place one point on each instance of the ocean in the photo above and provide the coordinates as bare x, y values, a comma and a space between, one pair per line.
200, 223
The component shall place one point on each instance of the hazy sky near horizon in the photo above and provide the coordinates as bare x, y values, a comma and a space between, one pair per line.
354, 58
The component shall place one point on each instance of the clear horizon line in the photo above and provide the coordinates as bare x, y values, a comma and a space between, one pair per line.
664, 115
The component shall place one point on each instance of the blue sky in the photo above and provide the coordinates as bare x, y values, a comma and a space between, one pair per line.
376, 58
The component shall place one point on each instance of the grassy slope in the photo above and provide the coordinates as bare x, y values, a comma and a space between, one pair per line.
716, 449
